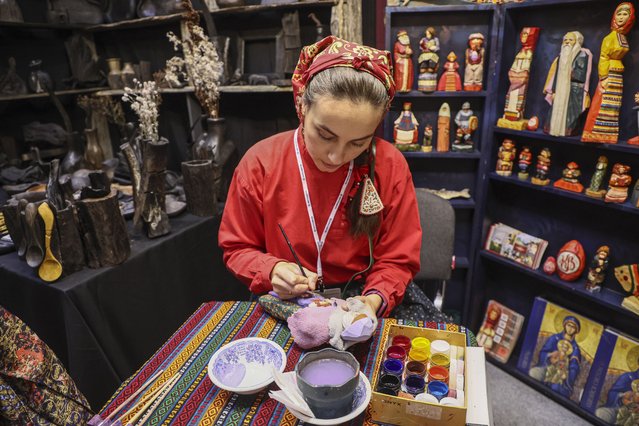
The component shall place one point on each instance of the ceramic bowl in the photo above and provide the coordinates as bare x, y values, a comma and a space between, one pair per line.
244, 365
362, 397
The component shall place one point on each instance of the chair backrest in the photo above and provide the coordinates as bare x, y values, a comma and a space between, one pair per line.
437, 218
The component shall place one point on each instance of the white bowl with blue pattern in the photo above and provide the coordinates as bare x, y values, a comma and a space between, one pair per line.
244, 366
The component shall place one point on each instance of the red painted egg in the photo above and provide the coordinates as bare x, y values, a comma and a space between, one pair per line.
533, 123
571, 261
550, 265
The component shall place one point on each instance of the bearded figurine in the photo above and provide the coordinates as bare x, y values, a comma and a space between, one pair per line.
566, 87
402, 54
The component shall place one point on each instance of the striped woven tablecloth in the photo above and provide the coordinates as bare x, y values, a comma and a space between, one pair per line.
194, 400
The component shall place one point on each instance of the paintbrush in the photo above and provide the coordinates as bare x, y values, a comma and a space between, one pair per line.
297, 259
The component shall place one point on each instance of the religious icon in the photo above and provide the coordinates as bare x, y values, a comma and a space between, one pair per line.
405, 130
542, 168
519, 75
474, 72
505, 158
467, 123
443, 128
628, 277
566, 87
595, 189
570, 178
403, 71
618, 184
427, 144
428, 61
525, 160
450, 81
597, 269
602, 124
635, 140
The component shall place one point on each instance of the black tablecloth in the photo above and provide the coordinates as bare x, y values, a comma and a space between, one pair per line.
104, 323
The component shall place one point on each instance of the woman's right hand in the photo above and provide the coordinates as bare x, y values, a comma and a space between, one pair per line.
288, 282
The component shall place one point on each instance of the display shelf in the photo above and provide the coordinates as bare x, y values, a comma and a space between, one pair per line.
538, 386
571, 140
467, 8
270, 7
41, 26
606, 297
223, 89
137, 23
461, 203
461, 262
461, 94
448, 154
46, 95
625, 207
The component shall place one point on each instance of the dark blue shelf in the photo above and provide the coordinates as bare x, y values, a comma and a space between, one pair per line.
624, 207
462, 203
571, 140
606, 297
546, 3
470, 7
461, 263
461, 94
447, 154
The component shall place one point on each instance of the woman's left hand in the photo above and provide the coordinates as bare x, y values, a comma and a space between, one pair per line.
372, 301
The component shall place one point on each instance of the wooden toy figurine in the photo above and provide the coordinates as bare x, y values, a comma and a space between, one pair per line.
428, 61
618, 184
450, 81
595, 189
427, 143
474, 71
597, 269
467, 123
525, 160
567, 84
542, 168
602, 124
635, 140
505, 158
443, 128
402, 55
519, 75
570, 178
628, 277
405, 130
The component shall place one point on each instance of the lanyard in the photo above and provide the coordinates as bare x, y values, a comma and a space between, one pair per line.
319, 242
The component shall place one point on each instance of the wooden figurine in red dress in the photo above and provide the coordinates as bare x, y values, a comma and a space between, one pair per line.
542, 168
402, 54
450, 81
570, 178
405, 130
506, 158
618, 184
525, 160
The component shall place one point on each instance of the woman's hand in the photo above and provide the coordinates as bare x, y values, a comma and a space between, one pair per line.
372, 301
288, 282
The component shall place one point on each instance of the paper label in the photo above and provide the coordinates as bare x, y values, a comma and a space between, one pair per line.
424, 410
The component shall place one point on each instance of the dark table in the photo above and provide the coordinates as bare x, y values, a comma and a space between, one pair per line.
104, 323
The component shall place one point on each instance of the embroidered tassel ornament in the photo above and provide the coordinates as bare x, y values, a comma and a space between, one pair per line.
370, 202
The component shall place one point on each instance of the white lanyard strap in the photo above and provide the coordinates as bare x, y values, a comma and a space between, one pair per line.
319, 242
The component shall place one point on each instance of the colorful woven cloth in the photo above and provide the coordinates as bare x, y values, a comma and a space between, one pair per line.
195, 400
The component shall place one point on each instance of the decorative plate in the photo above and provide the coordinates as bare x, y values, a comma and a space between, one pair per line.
360, 402
244, 365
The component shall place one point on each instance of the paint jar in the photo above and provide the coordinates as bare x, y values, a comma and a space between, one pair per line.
393, 366
426, 397
418, 356
415, 368
415, 384
438, 389
401, 340
389, 384
439, 347
437, 373
396, 352
441, 360
421, 344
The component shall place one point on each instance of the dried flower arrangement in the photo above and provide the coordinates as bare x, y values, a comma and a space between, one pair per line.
200, 66
145, 101
104, 106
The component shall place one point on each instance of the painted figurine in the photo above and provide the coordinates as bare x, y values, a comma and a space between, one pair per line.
519, 75
628, 278
597, 269
595, 190
634, 200
525, 160
570, 178
474, 71
443, 128
618, 184
566, 87
487, 331
427, 144
428, 61
602, 124
467, 123
405, 129
403, 71
635, 140
505, 158
450, 81
542, 168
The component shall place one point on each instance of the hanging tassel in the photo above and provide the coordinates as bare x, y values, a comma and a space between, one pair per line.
370, 203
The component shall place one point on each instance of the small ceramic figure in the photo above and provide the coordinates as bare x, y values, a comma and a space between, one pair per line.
443, 128
533, 124
39, 81
505, 158
10, 82
474, 72
405, 129
595, 189
597, 269
618, 184
602, 124
567, 86
571, 261
570, 178
403, 71
635, 140
542, 168
519, 75
550, 265
467, 123
427, 144
450, 81
525, 160
428, 61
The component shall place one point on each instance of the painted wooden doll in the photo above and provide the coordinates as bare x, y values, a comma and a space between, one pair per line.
634, 200
618, 184
506, 158
405, 129
403, 71
595, 190
450, 81
427, 143
570, 178
542, 168
597, 269
443, 128
602, 124
467, 123
525, 160
474, 71
428, 61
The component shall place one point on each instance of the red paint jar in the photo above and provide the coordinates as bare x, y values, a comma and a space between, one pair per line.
396, 352
438, 373
403, 341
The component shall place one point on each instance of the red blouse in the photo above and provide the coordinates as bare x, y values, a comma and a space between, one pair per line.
267, 190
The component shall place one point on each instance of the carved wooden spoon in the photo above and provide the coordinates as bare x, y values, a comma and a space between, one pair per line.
50, 269
35, 252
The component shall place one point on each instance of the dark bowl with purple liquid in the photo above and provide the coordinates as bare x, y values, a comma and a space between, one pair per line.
328, 379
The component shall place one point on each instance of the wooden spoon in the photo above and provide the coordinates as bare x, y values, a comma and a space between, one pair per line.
35, 252
50, 269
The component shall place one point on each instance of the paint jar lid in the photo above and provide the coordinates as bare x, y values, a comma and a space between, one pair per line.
438, 389
439, 347
426, 397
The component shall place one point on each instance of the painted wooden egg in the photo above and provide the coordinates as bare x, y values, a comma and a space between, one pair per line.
550, 265
571, 261
533, 123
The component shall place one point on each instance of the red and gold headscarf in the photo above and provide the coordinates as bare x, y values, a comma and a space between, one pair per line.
625, 29
334, 52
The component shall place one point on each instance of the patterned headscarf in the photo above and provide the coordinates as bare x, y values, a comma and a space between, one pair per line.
625, 29
334, 52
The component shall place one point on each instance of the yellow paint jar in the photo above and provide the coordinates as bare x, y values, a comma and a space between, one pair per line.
442, 360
